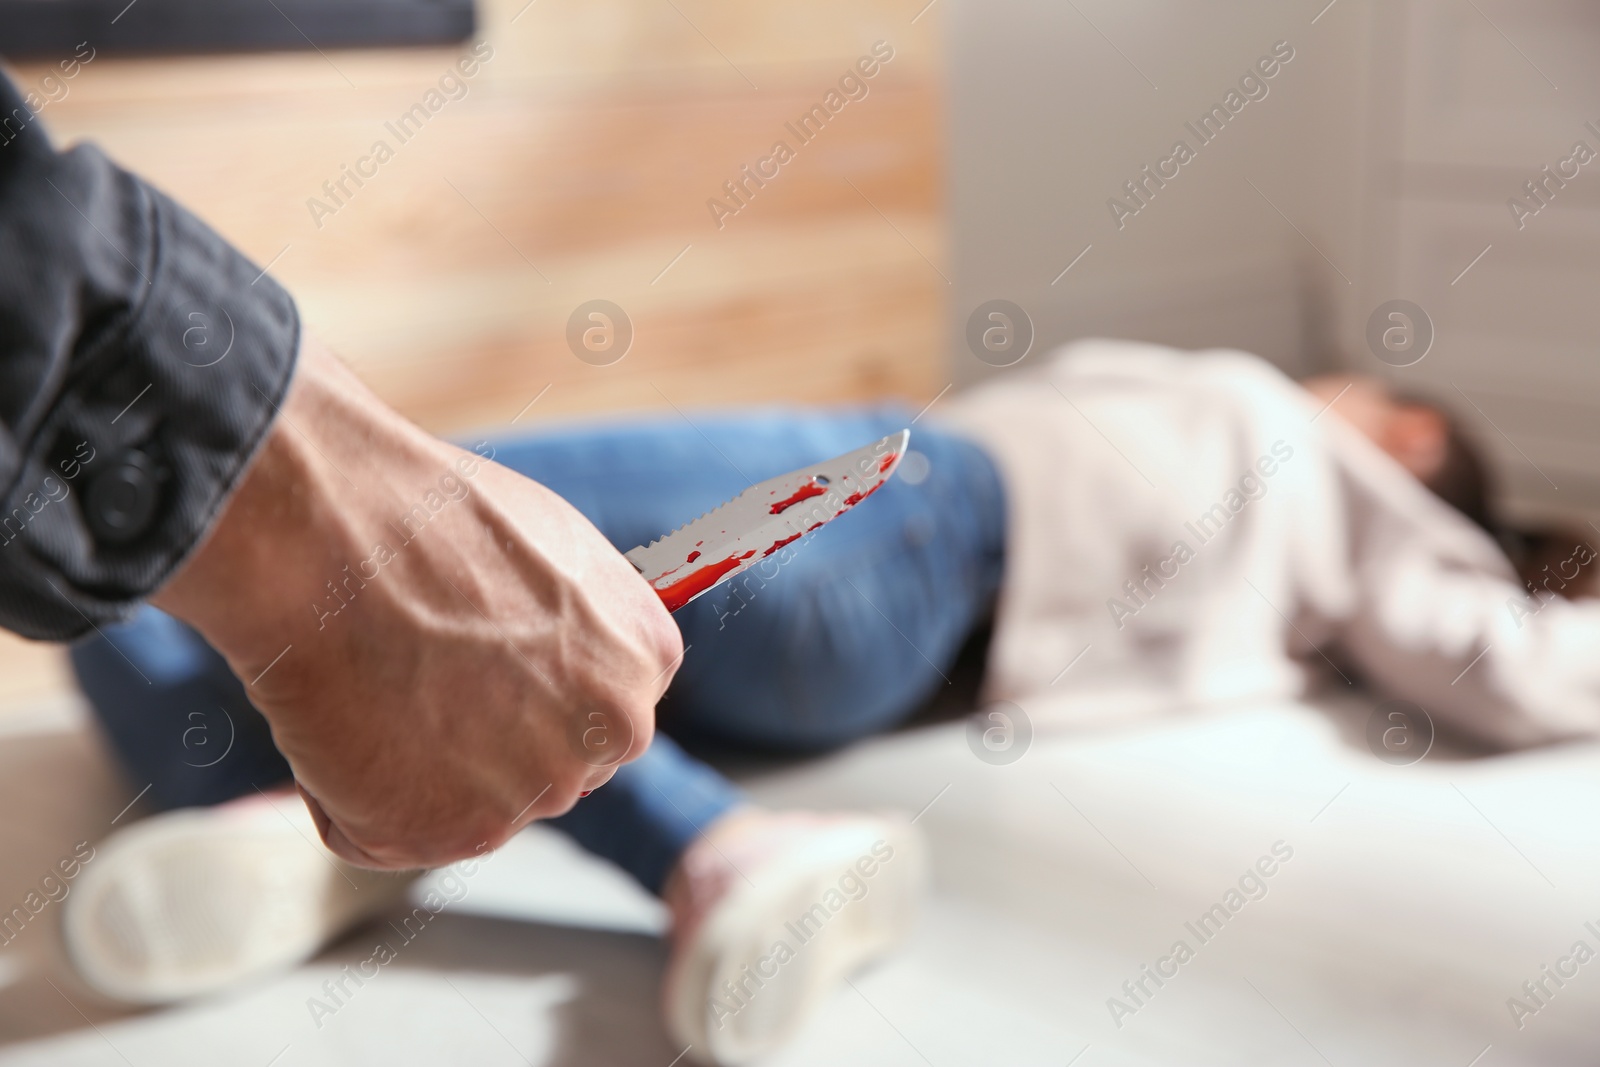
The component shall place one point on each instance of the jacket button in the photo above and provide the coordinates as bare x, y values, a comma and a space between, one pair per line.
120, 502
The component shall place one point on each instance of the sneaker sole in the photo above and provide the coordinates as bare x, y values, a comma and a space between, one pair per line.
146, 922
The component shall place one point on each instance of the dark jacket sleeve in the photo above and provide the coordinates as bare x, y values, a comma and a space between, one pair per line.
141, 361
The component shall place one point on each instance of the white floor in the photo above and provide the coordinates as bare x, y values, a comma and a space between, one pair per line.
1416, 902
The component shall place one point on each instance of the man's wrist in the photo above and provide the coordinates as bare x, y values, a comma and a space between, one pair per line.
257, 567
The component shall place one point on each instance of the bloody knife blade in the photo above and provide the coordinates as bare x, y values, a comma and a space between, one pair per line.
696, 558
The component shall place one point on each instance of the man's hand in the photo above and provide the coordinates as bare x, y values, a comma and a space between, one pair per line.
445, 650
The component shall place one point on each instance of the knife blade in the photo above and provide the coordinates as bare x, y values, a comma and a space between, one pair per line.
699, 556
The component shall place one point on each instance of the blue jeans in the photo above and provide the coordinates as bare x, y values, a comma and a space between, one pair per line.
838, 636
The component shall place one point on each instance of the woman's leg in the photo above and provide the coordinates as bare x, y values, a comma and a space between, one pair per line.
175, 715
840, 635
650, 812
835, 637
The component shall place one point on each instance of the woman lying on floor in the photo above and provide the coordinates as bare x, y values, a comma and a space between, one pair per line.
1148, 529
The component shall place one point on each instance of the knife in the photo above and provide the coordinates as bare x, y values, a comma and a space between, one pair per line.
698, 557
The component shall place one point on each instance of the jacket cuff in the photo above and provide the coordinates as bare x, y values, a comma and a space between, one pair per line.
164, 404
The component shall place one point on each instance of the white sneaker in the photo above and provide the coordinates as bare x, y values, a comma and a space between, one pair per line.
817, 899
194, 901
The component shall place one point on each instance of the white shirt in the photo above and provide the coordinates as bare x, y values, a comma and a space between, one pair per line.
1191, 529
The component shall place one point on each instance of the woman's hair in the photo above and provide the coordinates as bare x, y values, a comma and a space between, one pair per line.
1463, 479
